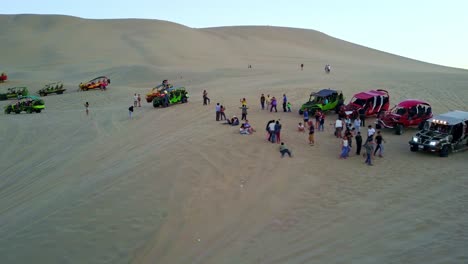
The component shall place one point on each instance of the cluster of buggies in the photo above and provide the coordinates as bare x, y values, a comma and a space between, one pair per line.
56, 87
166, 94
28, 104
14, 93
408, 113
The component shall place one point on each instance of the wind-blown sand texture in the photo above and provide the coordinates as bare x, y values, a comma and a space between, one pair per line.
175, 186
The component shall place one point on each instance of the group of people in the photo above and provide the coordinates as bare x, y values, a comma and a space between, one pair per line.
373, 144
270, 102
137, 100
345, 128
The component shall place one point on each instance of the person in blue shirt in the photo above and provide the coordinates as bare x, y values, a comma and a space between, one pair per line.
306, 116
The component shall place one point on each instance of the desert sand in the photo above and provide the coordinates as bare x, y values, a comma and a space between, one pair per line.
175, 186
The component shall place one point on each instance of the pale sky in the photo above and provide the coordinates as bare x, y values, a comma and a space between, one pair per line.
434, 31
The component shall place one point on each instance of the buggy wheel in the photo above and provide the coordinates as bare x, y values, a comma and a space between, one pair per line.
38, 110
378, 126
399, 129
301, 112
444, 152
17, 111
60, 92
29, 111
414, 148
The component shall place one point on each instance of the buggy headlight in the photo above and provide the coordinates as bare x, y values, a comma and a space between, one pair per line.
415, 139
432, 143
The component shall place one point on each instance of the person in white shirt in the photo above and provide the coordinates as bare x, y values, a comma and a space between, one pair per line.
370, 133
135, 100
338, 127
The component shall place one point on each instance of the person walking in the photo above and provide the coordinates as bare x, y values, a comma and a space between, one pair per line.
302, 66
285, 102
289, 106
284, 150
206, 100
262, 101
218, 111
370, 133
135, 100
244, 112
139, 100
358, 139
273, 104
344, 148
130, 111
87, 108
379, 141
369, 147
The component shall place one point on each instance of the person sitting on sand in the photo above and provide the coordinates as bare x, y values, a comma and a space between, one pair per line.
243, 130
248, 127
284, 150
300, 127
234, 121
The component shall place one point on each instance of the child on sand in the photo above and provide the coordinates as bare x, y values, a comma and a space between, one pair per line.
311, 135
284, 150
288, 105
300, 127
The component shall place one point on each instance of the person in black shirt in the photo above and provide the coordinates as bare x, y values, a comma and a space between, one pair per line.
358, 139
379, 139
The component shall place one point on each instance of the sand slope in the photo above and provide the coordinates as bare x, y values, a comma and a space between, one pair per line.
174, 186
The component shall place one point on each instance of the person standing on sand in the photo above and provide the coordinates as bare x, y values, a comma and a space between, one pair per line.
302, 66
218, 111
369, 146
268, 101
206, 100
358, 139
87, 108
244, 112
130, 111
278, 131
135, 100
221, 113
273, 104
262, 101
311, 135
243, 102
306, 116
139, 100
357, 124
285, 102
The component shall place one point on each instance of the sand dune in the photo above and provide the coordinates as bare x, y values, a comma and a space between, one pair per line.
174, 186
